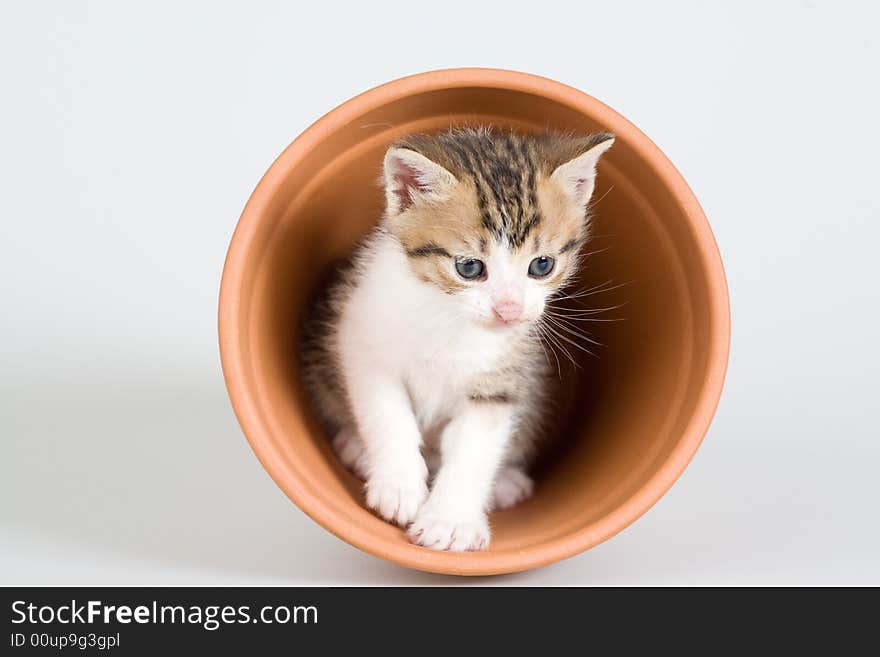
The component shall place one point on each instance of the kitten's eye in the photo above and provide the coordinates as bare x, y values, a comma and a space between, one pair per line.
469, 268
541, 266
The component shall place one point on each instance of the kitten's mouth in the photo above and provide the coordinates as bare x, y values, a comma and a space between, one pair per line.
502, 324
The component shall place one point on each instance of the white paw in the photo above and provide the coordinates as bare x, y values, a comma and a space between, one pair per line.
511, 487
396, 500
350, 450
440, 531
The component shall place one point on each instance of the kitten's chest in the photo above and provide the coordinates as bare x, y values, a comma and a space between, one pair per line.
440, 378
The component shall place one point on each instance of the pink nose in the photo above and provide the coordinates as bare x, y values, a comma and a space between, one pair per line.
508, 311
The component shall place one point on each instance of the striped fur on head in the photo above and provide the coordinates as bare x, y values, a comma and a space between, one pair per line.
468, 193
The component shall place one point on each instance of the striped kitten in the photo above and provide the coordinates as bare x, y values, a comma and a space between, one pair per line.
426, 360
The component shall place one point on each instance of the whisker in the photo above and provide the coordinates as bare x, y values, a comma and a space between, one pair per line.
542, 339
575, 332
580, 318
554, 341
575, 344
582, 311
594, 319
559, 339
576, 316
552, 337
594, 290
594, 252
579, 292
536, 331
599, 200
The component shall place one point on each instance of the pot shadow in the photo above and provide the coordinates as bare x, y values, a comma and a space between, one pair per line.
158, 472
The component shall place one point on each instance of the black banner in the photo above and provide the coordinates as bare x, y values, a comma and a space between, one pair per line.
146, 621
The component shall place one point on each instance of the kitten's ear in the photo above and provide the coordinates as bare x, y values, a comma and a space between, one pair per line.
410, 178
577, 177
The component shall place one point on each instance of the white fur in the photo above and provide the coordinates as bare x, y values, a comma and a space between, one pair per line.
406, 350
511, 487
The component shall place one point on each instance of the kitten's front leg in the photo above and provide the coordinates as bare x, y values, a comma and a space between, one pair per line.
473, 445
396, 472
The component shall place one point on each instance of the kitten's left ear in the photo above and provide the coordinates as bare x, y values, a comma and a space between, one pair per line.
577, 177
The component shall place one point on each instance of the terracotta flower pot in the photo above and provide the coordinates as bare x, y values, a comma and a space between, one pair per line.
642, 405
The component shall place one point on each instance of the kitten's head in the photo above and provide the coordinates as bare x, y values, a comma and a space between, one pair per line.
494, 220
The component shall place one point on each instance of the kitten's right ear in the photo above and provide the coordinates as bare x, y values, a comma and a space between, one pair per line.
411, 178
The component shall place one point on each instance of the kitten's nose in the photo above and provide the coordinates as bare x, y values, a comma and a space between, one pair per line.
508, 311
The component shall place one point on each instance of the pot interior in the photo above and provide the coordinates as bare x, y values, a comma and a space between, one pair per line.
629, 403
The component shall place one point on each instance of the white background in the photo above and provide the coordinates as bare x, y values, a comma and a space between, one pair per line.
131, 137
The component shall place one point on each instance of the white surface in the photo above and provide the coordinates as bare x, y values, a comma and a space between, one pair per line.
130, 139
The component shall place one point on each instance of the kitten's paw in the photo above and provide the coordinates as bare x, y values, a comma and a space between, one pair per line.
350, 450
441, 532
511, 487
396, 500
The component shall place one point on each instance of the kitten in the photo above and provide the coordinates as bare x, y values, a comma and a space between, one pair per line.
426, 360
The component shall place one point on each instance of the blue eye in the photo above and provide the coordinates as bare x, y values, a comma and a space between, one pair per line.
541, 266
469, 268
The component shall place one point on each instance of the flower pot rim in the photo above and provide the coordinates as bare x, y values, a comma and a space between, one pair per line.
234, 355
